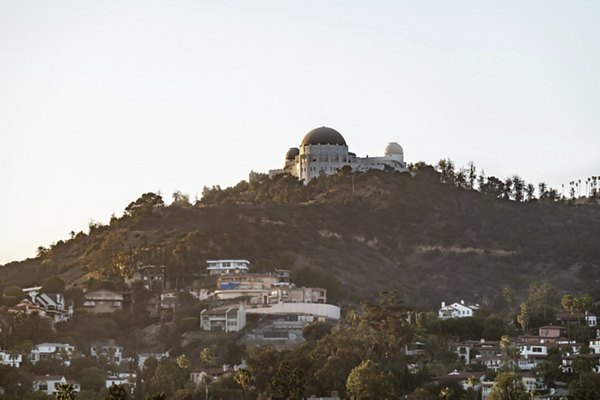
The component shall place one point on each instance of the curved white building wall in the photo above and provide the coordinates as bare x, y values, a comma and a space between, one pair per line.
321, 310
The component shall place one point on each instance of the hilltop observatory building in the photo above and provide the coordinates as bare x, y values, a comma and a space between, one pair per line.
324, 151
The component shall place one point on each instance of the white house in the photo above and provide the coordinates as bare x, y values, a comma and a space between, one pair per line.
591, 319
220, 267
457, 310
227, 318
46, 351
535, 349
595, 346
56, 306
48, 384
49, 305
10, 359
122, 378
529, 382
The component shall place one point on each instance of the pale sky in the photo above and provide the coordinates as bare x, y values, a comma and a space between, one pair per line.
101, 101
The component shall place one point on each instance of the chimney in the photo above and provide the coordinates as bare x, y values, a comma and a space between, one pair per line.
462, 302
443, 304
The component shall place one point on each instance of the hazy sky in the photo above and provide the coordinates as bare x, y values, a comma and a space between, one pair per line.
101, 101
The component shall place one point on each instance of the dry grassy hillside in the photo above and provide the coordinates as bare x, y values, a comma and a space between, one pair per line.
356, 234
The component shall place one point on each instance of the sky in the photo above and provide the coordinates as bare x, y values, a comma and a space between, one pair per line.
102, 101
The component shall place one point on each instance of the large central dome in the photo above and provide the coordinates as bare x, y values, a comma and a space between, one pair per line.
323, 135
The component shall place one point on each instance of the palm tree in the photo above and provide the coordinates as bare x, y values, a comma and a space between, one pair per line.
243, 378
65, 391
117, 392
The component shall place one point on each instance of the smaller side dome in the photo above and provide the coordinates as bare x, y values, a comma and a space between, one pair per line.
292, 153
393, 149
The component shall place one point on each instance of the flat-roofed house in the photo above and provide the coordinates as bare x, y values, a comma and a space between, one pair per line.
221, 267
226, 318
103, 301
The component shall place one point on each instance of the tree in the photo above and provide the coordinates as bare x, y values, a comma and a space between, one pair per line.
511, 352
509, 296
585, 388
577, 305
481, 180
243, 378
117, 392
183, 362
493, 187
92, 378
509, 386
206, 355
181, 199
543, 302
316, 330
287, 384
524, 316
368, 382
472, 174
168, 378
65, 391
145, 203
507, 190
518, 187
53, 285
446, 169
445, 393
530, 192
542, 190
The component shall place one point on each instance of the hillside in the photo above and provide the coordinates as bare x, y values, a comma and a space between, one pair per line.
355, 234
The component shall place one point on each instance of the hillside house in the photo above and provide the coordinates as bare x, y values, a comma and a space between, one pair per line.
48, 384
48, 351
568, 360
469, 349
142, 357
284, 275
151, 276
595, 346
278, 331
457, 310
103, 301
552, 332
199, 376
247, 281
48, 305
254, 286
107, 351
222, 267
10, 359
466, 379
532, 350
166, 306
530, 382
587, 318
226, 318
292, 294
122, 378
